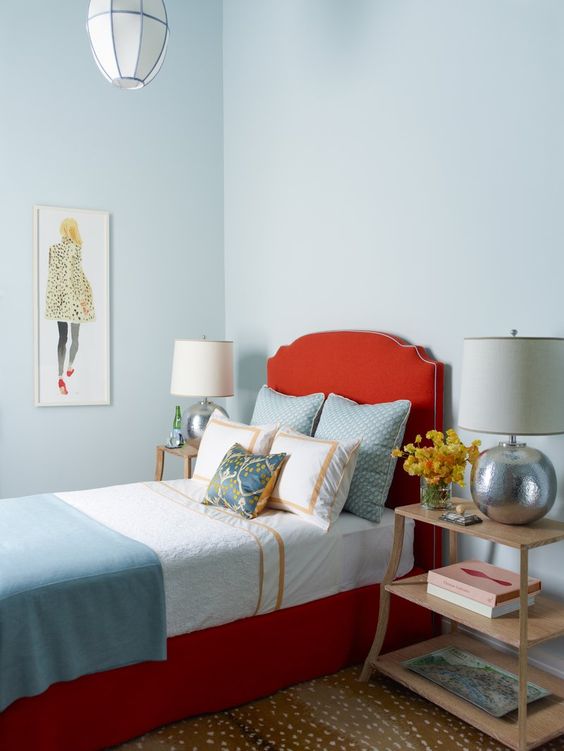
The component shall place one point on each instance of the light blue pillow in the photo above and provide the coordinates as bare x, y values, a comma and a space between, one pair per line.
296, 412
380, 428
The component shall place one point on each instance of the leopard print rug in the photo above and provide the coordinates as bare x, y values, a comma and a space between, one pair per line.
334, 713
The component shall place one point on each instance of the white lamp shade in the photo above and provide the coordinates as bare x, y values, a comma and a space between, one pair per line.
513, 385
201, 367
128, 39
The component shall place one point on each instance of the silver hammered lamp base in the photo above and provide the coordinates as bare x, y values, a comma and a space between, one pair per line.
196, 417
513, 483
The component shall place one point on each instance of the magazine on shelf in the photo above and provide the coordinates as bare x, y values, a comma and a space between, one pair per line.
488, 687
480, 581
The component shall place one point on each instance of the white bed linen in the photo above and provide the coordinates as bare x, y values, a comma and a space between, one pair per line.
367, 547
219, 567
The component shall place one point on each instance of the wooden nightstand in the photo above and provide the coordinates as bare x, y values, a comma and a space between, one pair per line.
523, 629
188, 452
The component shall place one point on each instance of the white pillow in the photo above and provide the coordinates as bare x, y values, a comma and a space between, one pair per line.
220, 435
314, 482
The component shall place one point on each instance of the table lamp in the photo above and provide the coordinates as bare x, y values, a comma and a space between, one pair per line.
201, 367
513, 385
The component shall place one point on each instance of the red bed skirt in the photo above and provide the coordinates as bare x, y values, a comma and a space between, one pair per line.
207, 671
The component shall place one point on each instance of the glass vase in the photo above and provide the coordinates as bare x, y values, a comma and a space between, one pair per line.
435, 495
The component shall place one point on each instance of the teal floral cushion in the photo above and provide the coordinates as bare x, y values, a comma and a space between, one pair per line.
380, 428
243, 481
296, 412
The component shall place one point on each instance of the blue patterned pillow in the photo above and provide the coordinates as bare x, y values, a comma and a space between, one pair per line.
243, 481
381, 428
296, 412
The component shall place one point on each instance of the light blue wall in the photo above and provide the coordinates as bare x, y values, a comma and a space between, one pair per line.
154, 159
395, 165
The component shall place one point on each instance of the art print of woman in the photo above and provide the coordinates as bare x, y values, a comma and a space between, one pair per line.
72, 306
69, 297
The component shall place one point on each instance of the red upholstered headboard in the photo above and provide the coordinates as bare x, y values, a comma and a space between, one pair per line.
370, 367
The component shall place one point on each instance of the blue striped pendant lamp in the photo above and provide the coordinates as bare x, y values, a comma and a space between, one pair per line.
128, 39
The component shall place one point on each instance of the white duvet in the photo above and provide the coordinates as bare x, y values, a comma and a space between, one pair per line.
218, 567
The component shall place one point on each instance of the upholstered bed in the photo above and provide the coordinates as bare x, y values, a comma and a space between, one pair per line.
317, 591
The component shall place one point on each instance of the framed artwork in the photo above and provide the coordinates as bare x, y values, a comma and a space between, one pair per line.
71, 306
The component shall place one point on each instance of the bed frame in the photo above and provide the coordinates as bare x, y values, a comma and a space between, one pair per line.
221, 667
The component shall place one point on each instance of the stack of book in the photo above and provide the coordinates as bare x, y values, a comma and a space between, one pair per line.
485, 589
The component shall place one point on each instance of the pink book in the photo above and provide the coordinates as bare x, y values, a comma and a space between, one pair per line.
480, 581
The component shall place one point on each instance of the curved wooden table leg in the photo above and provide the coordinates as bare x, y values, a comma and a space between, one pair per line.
453, 558
523, 644
160, 463
384, 612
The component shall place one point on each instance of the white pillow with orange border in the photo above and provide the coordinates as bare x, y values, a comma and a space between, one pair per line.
315, 479
220, 435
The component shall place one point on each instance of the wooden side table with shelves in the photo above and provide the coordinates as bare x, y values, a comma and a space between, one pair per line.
187, 452
535, 724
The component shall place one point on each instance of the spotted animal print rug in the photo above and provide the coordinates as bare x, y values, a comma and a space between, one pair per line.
334, 713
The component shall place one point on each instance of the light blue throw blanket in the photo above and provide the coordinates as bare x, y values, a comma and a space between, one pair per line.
75, 597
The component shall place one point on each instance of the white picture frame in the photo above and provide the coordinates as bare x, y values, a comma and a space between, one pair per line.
71, 306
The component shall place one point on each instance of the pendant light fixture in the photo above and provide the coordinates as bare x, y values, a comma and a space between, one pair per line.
128, 39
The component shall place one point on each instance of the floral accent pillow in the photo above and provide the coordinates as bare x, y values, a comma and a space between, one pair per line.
244, 481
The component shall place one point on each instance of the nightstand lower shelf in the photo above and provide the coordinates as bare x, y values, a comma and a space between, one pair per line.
545, 717
546, 616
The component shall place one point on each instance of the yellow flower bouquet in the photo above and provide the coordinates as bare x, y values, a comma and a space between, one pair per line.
438, 465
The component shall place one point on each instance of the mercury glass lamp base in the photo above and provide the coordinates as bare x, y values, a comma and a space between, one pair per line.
513, 483
196, 417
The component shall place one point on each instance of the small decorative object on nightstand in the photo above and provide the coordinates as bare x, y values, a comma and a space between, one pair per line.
437, 465
187, 452
201, 367
514, 386
460, 517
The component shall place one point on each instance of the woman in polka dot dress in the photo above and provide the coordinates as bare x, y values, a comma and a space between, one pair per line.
69, 294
